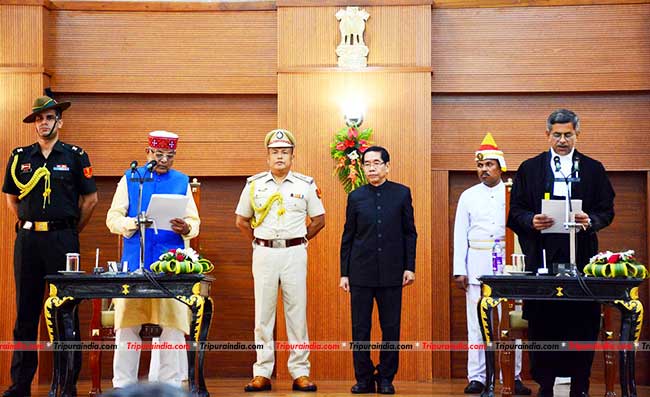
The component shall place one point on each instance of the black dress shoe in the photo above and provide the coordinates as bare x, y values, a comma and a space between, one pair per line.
474, 387
521, 389
363, 388
17, 391
385, 387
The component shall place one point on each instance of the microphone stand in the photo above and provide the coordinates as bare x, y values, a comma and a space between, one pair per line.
570, 220
141, 220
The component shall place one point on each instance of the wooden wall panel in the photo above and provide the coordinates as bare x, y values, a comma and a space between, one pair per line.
162, 6
163, 52
614, 127
217, 133
526, 3
21, 63
21, 42
628, 231
17, 93
397, 110
391, 42
534, 49
441, 265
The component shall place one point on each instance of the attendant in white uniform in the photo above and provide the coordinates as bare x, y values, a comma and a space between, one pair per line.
480, 220
272, 213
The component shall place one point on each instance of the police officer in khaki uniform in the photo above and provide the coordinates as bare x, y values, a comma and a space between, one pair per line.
49, 186
272, 211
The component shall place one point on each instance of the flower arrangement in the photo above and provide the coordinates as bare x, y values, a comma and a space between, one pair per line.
347, 148
179, 261
615, 264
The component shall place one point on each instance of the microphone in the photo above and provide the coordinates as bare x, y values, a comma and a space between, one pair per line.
556, 161
150, 166
576, 164
134, 169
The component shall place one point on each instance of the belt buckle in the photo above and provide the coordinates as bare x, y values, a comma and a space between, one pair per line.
278, 243
40, 226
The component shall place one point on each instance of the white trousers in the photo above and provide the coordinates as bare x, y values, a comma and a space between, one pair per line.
288, 268
167, 365
476, 358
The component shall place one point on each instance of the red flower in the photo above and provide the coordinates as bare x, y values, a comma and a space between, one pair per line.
363, 145
349, 143
614, 258
172, 251
179, 257
340, 146
353, 133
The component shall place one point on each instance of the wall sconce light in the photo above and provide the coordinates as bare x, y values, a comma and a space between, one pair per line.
353, 114
353, 119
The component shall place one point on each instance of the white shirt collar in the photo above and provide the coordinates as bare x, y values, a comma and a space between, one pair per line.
289, 177
566, 157
495, 187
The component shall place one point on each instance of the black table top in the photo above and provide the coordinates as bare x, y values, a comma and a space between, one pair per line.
560, 288
128, 285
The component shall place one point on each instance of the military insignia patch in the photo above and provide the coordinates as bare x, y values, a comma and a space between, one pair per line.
61, 167
88, 172
319, 193
27, 167
479, 156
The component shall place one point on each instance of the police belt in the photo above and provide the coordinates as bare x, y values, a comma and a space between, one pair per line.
280, 243
484, 245
48, 226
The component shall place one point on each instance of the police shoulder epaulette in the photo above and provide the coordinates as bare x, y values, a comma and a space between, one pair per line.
257, 176
73, 148
303, 178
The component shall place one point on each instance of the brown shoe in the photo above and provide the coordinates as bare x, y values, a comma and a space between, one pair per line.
302, 383
259, 383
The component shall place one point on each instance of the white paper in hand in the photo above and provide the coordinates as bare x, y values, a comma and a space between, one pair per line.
556, 210
165, 207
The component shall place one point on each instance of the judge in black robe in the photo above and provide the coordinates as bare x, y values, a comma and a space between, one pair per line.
554, 320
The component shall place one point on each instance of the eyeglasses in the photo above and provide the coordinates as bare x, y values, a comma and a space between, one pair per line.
369, 164
160, 155
567, 135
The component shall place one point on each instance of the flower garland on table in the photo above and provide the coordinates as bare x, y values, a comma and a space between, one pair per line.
615, 264
178, 261
348, 146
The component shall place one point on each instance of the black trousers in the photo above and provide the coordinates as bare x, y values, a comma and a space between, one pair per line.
562, 321
36, 254
389, 305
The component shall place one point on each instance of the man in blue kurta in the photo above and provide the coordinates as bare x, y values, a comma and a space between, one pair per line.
170, 314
